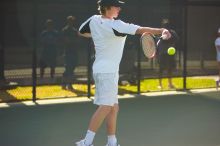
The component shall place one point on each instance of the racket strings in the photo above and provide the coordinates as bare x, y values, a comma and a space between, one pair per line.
148, 45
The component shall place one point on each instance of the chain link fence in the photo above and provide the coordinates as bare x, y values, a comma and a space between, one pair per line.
24, 76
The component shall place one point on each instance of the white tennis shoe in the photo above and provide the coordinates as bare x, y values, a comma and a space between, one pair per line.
82, 143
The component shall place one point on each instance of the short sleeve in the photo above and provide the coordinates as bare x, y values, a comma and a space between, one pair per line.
84, 28
126, 28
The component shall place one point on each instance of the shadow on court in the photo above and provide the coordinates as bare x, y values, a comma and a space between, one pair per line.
6, 97
177, 120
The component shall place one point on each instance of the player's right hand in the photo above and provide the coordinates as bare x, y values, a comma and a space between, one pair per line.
165, 34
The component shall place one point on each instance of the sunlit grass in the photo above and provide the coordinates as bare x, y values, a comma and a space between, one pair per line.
55, 91
47, 91
152, 84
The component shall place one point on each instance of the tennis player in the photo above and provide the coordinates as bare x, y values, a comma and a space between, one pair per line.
217, 46
109, 35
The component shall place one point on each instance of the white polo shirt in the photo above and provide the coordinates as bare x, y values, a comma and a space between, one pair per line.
109, 37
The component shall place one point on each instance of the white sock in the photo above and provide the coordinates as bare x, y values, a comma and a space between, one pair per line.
89, 137
112, 140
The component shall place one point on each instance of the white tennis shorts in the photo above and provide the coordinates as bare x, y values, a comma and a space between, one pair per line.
106, 85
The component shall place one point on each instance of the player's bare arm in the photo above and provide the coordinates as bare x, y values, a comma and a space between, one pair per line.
87, 35
154, 31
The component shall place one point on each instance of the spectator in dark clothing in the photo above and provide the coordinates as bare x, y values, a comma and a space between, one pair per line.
48, 54
69, 37
166, 62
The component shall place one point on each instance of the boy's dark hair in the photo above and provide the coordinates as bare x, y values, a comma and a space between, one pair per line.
102, 9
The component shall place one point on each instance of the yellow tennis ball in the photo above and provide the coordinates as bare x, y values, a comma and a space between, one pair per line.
171, 51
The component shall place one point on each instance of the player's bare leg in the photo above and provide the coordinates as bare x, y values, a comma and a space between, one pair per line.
98, 117
95, 122
111, 120
111, 124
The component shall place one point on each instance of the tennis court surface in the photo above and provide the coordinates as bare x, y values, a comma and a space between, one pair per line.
164, 120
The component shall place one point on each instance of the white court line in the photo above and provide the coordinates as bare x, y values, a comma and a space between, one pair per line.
45, 102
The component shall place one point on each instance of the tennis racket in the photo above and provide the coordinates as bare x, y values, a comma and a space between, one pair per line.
148, 45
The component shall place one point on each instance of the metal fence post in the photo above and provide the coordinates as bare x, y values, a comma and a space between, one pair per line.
89, 70
2, 43
34, 55
139, 70
185, 45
